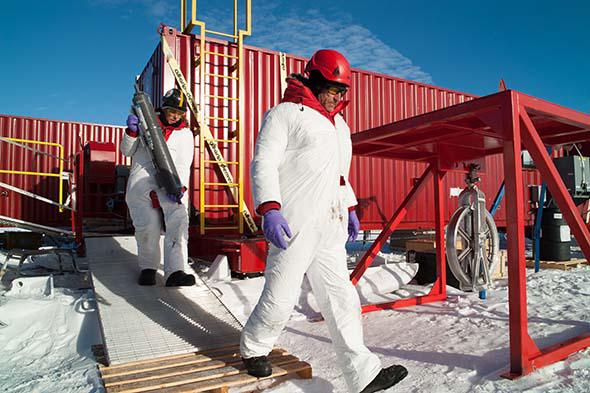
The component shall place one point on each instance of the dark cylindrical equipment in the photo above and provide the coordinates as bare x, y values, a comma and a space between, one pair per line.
555, 236
166, 175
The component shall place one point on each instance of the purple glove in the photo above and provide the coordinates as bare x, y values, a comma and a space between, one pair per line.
353, 226
274, 226
133, 123
176, 197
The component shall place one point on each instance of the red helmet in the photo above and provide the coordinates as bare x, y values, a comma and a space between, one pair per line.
331, 64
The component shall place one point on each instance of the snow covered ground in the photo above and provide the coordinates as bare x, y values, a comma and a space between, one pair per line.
459, 345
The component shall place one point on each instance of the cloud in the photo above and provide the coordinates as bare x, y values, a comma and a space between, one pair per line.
303, 33
278, 25
158, 10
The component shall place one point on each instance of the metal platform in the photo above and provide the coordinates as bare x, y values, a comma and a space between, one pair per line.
139, 323
449, 138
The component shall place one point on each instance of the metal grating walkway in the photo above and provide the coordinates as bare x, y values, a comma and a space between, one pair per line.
140, 323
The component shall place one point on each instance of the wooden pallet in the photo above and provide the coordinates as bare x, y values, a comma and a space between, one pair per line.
562, 265
213, 370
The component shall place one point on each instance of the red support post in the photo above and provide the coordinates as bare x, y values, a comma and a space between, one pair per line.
521, 345
397, 217
78, 212
440, 286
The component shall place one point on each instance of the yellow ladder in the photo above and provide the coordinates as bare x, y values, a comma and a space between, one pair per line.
220, 109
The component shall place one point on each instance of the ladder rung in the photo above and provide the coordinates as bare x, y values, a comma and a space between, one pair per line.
221, 205
222, 118
222, 140
221, 162
222, 76
221, 54
223, 97
222, 227
221, 34
221, 184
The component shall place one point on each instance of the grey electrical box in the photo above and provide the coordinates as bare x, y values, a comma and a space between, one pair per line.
575, 172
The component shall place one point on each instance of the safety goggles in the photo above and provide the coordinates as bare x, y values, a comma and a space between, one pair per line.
335, 90
174, 112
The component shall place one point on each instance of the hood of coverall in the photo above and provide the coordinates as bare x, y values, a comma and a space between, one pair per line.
298, 93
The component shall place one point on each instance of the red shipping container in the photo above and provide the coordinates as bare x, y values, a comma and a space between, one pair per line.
376, 99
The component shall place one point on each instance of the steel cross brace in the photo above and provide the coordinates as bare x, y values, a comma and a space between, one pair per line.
438, 290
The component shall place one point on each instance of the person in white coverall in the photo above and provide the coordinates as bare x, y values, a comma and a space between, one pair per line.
300, 184
147, 201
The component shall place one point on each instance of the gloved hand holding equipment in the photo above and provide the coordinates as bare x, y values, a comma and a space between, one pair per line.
152, 137
177, 198
353, 226
133, 123
274, 227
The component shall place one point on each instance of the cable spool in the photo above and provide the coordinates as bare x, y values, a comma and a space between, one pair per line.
472, 267
472, 242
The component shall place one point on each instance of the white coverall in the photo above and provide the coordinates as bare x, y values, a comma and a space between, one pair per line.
146, 219
300, 157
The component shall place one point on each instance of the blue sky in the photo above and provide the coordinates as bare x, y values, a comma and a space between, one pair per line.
76, 60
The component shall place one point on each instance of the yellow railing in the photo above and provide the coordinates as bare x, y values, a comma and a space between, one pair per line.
237, 186
49, 174
187, 27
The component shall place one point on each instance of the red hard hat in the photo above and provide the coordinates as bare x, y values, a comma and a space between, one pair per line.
331, 64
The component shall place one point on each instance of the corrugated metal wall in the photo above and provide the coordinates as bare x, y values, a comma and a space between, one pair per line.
71, 135
376, 99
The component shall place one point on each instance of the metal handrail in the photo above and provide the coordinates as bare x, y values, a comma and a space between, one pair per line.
49, 174
238, 34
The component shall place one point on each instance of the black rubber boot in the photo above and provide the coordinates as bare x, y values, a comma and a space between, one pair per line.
147, 277
386, 378
180, 279
258, 366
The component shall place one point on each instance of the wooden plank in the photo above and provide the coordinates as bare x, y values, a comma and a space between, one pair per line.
502, 268
293, 369
427, 245
211, 380
166, 360
561, 265
184, 370
155, 364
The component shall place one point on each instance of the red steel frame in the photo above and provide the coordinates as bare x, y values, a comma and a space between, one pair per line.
78, 212
499, 123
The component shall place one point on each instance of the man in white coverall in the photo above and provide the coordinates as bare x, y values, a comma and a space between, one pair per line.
145, 198
300, 183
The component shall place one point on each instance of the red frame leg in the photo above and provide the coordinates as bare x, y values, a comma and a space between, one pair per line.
77, 214
525, 356
438, 291
521, 345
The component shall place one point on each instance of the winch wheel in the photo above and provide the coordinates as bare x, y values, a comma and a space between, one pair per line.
462, 261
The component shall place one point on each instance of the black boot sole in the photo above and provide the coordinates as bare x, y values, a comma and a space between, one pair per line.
401, 373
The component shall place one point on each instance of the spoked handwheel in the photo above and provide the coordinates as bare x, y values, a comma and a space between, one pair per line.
472, 264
